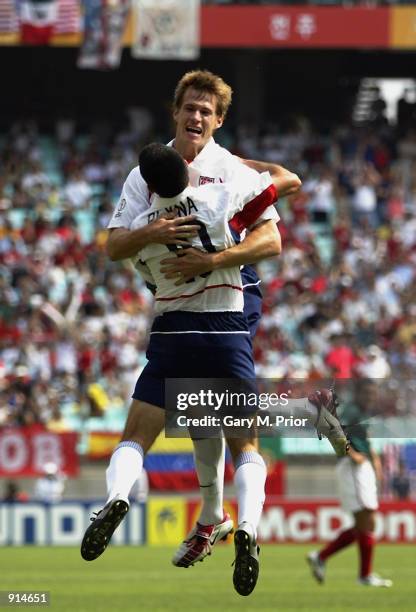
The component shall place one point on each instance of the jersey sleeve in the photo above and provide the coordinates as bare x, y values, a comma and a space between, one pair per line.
134, 200
269, 214
250, 197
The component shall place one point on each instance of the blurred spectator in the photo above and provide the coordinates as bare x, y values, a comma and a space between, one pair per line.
50, 487
339, 300
321, 193
77, 190
12, 493
365, 197
400, 483
341, 358
375, 364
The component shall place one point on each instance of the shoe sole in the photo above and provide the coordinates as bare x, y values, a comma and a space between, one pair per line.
246, 568
340, 445
181, 563
318, 578
98, 535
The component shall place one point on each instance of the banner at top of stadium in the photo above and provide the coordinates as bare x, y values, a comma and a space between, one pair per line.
273, 26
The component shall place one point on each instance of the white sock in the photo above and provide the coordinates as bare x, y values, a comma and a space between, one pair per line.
249, 479
125, 467
209, 465
300, 408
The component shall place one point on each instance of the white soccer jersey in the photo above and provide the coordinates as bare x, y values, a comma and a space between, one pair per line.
214, 205
214, 164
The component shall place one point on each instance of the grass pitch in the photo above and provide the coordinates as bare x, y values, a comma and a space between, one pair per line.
143, 579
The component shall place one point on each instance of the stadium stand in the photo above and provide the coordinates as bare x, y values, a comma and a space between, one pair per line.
340, 301
347, 266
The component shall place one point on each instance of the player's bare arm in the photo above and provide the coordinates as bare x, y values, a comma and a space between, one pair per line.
286, 182
262, 242
123, 243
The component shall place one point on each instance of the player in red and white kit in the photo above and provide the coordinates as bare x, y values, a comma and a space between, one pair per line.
357, 475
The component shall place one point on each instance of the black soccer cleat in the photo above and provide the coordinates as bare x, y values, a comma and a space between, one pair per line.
246, 564
98, 535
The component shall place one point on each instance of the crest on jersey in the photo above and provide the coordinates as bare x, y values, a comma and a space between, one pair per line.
121, 207
203, 180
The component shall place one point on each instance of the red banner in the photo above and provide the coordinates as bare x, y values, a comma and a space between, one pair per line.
300, 26
305, 521
267, 26
25, 451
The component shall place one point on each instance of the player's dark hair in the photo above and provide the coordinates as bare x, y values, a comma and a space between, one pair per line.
163, 169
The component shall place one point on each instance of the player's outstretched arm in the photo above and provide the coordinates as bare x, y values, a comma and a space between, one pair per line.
263, 241
123, 243
286, 182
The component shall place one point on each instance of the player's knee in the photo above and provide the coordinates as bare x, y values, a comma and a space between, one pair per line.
144, 423
365, 521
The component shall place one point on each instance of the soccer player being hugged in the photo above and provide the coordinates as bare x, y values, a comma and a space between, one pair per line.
199, 331
357, 475
200, 106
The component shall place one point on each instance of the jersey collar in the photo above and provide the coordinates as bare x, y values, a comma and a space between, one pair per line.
159, 202
203, 155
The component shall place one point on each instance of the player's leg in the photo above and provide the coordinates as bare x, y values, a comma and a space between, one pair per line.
249, 479
209, 457
213, 524
144, 423
210, 453
318, 558
365, 484
365, 525
350, 502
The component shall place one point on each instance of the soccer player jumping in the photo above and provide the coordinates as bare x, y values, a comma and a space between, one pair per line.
200, 106
199, 332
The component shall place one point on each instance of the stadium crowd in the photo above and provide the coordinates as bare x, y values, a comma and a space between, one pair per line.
340, 300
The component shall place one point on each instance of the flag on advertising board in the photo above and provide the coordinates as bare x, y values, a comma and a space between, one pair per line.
37, 21
166, 29
169, 464
68, 18
14, 12
26, 450
9, 22
104, 24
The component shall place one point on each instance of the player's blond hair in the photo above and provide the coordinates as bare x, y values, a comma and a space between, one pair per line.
203, 80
